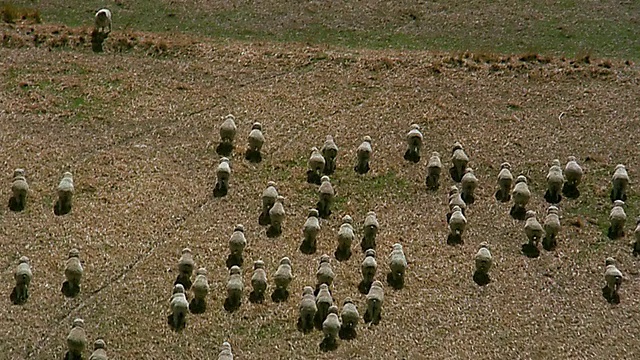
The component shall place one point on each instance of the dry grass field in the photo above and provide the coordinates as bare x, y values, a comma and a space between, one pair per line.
138, 127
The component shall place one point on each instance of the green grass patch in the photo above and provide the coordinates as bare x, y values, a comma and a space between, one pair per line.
565, 28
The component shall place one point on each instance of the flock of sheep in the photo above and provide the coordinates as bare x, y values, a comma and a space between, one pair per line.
317, 308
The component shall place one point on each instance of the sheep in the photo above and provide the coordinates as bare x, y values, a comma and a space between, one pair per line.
363, 154
573, 175
331, 330
636, 245
455, 199
22, 276
324, 300
349, 317
324, 274
76, 341
326, 195
223, 172
310, 233
227, 135
434, 169
619, 182
375, 299
307, 309
397, 267
99, 350
617, 219
414, 144
235, 286
198, 304
269, 196
73, 274
329, 153
185, 269
65, 195
225, 352
613, 280
459, 159
237, 243
282, 279
370, 230
315, 166
276, 216
258, 282
103, 21
483, 262
534, 232
505, 181
551, 228
457, 225
555, 183
346, 236
368, 268
19, 191
521, 196
179, 305
256, 141
469, 183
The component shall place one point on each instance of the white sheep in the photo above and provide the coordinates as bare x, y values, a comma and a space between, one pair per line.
469, 184
613, 280
573, 175
368, 268
22, 276
329, 152
457, 225
364, 156
459, 159
551, 228
256, 141
521, 196
397, 267
282, 279
19, 189
198, 304
434, 169
179, 308
73, 274
65, 195
414, 144
505, 182
307, 309
619, 182
346, 236
227, 135
315, 166
310, 232
269, 196
555, 183
371, 226
258, 282
223, 172
99, 350
237, 243
484, 262
617, 219
76, 340
103, 20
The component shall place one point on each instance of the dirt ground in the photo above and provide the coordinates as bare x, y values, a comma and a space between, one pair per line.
138, 126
